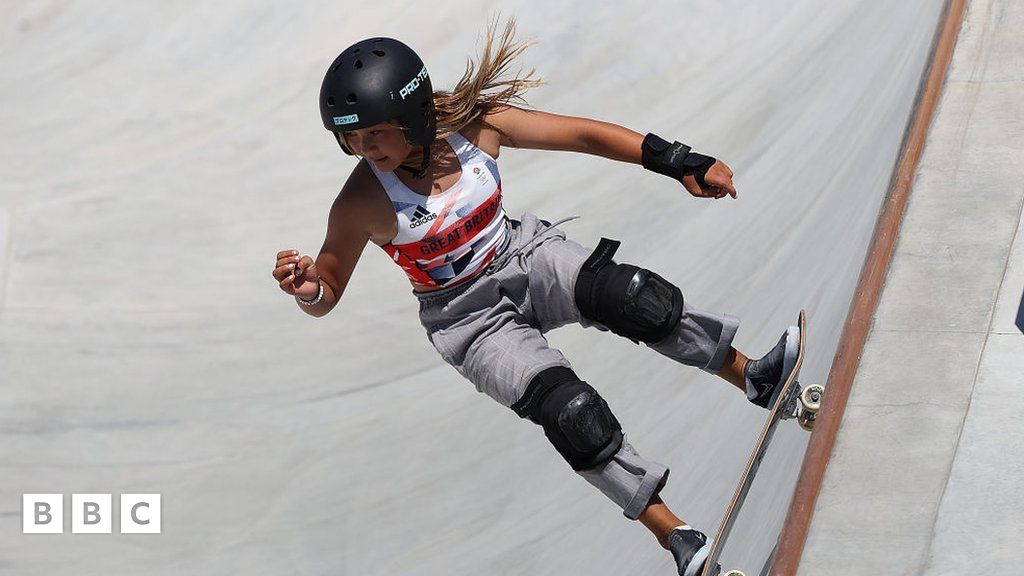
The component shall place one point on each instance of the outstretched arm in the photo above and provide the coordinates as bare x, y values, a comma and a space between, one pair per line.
519, 128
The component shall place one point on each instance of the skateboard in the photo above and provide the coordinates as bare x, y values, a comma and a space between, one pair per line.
792, 402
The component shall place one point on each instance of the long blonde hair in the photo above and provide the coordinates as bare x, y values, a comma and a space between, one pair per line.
482, 87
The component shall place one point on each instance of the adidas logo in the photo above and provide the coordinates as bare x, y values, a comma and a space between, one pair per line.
421, 216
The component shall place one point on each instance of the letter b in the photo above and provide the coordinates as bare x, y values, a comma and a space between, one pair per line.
90, 513
42, 513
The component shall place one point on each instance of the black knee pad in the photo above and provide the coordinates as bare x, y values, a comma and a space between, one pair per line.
629, 300
575, 418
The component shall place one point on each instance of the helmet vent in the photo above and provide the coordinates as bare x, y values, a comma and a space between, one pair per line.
359, 64
352, 99
356, 51
330, 100
378, 52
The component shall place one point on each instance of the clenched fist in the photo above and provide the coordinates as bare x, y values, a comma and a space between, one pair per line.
297, 275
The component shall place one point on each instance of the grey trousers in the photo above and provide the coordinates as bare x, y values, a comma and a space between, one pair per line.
491, 329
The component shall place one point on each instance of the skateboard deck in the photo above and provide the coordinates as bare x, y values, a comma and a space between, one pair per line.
784, 407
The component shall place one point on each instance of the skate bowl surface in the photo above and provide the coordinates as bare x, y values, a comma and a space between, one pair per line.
156, 158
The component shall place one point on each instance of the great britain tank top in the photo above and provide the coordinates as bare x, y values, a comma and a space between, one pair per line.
449, 238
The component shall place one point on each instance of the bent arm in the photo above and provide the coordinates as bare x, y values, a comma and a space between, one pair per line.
346, 237
538, 130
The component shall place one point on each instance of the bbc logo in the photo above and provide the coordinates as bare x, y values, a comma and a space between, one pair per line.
90, 513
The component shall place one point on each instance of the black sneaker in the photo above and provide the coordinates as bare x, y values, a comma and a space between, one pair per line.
765, 376
690, 548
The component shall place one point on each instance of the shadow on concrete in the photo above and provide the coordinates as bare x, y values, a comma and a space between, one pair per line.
1020, 314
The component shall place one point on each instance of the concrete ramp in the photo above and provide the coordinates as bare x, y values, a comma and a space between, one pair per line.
156, 156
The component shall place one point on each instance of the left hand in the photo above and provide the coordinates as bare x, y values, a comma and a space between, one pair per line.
718, 179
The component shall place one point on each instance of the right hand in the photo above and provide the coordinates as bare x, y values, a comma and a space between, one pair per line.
297, 275
718, 179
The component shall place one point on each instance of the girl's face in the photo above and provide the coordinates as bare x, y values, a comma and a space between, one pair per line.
383, 144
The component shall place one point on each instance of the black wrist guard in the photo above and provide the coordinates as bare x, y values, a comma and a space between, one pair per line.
674, 160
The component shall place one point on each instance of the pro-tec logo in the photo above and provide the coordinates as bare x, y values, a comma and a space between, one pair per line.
343, 120
413, 84
421, 217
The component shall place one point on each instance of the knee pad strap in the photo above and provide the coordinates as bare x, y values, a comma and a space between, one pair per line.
629, 300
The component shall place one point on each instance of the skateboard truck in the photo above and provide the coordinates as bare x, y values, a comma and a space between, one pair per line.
803, 404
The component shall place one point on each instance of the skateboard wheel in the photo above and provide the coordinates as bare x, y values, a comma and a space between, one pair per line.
806, 420
735, 573
810, 397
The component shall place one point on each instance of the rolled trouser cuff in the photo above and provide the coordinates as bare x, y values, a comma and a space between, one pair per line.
628, 479
730, 324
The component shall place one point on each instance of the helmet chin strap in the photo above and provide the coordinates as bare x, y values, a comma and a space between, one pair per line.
423, 165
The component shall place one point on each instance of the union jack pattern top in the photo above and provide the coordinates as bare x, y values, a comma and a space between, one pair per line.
450, 237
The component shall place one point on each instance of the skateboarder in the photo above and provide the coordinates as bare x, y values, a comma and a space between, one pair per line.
427, 190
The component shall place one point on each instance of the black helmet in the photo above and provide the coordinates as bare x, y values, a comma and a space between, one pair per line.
373, 81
